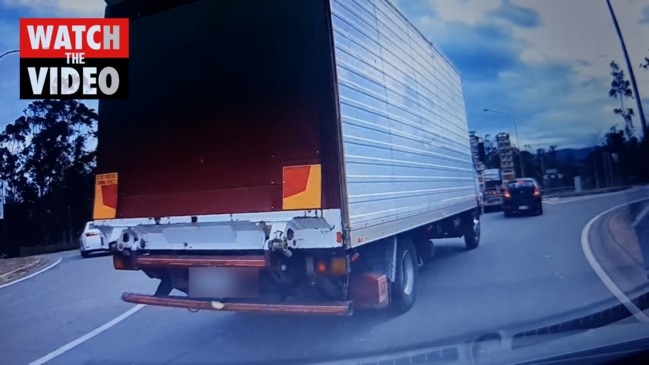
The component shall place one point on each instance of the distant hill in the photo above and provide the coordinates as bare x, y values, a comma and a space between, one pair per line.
575, 156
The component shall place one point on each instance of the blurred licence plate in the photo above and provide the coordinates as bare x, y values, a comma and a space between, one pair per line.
223, 282
523, 207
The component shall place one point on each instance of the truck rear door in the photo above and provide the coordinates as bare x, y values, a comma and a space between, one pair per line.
231, 110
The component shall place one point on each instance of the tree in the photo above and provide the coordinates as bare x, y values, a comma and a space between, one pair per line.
621, 91
41, 147
531, 168
47, 160
615, 140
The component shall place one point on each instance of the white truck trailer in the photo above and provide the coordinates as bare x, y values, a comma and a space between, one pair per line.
282, 156
493, 185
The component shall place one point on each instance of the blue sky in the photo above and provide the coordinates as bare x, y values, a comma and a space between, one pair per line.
543, 61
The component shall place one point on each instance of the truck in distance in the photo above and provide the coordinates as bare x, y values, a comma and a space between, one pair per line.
492, 182
282, 156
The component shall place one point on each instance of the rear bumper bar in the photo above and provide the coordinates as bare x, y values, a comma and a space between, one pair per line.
333, 308
200, 261
139, 262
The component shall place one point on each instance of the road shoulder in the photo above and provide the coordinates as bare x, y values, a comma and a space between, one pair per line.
616, 250
16, 269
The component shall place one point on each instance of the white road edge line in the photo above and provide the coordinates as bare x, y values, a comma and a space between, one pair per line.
69, 346
31, 275
608, 282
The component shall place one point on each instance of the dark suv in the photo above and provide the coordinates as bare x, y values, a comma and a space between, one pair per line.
522, 196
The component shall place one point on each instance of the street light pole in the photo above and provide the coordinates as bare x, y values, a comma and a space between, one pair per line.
2, 185
8, 53
518, 140
638, 100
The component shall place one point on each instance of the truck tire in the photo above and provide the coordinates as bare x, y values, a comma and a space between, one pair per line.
471, 233
404, 288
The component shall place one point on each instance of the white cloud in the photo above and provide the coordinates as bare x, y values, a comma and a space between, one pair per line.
465, 11
557, 89
581, 33
582, 30
71, 8
564, 38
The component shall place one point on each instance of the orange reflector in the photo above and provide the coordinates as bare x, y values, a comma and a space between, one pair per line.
339, 265
120, 263
105, 201
339, 237
302, 187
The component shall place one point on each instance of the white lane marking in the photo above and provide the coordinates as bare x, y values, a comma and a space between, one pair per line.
608, 282
69, 346
31, 275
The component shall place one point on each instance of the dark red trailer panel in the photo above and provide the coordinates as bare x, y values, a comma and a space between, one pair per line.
224, 95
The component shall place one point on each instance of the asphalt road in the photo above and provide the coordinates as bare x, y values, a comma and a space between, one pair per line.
527, 270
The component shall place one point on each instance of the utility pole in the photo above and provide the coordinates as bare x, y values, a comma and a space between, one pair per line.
636, 94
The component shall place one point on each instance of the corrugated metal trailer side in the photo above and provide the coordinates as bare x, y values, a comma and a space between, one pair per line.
407, 157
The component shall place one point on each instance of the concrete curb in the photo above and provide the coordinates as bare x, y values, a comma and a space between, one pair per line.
609, 262
619, 224
3, 277
612, 249
22, 278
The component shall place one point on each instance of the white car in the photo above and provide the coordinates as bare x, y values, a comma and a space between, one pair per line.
92, 240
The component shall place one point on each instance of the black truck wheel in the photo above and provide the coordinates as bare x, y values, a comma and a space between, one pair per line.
404, 288
471, 233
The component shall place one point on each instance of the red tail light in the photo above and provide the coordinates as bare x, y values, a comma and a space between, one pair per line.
537, 192
506, 194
